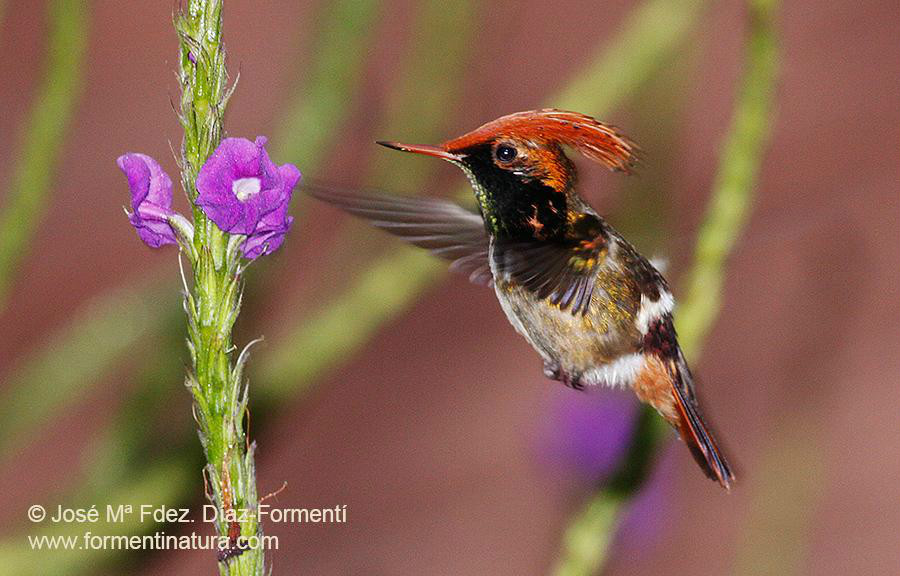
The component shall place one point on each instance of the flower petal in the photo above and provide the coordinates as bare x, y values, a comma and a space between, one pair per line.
147, 180
154, 233
151, 198
290, 175
269, 236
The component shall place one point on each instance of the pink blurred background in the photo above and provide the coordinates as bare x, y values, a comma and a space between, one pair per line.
441, 436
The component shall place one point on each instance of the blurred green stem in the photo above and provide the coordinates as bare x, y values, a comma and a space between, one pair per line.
104, 329
586, 542
127, 318
53, 379
43, 136
426, 88
645, 43
589, 91
440, 40
742, 156
326, 89
117, 321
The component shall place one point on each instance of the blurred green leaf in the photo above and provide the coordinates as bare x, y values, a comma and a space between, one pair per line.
44, 135
736, 178
587, 540
326, 86
54, 377
426, 89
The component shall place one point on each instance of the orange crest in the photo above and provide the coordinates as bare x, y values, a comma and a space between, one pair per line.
595, 140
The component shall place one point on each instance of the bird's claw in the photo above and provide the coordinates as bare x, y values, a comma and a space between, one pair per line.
553, 371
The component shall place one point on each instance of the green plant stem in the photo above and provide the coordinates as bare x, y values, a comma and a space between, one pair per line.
43, 136
736, 178
326, 89
587, 540
588, 91
426, 89
220, 397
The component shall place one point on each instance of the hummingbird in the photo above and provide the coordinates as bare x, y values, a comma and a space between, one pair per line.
594, 309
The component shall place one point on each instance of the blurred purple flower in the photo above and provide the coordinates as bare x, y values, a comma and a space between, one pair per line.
589, 432
244, 192
649, 512
151, 199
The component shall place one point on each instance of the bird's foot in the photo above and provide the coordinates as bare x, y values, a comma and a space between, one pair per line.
574, 382
554, 371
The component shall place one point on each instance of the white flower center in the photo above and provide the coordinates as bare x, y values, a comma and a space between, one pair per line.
244, 188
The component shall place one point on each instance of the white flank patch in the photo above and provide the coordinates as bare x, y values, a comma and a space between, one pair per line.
651, 310
620, 372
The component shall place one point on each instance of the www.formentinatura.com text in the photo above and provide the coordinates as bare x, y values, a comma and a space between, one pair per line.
156, 541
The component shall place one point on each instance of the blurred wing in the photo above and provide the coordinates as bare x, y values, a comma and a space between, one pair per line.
563, 272
439, 226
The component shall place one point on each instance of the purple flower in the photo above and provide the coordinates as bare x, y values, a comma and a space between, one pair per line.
151, 199
269, 233
244, 192
642, 527
588, 433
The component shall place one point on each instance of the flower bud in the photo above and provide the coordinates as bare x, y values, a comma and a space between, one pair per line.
151, 199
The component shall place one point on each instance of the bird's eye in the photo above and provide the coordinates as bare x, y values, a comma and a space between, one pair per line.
506, 153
